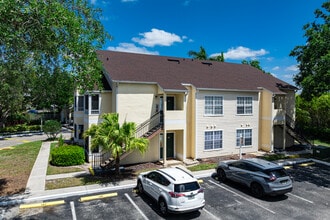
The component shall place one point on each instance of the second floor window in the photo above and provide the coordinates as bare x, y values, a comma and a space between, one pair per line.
213, 105
95, 104
80, 103
244, 105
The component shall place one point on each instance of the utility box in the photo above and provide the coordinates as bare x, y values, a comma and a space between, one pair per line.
321, 151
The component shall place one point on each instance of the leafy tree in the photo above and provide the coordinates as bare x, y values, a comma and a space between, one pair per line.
52, 128
202, 55
254, 63
40, 38
313, 117
115, 138
314, 56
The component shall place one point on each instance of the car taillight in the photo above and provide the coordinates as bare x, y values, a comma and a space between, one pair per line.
272, 178
175, 195
201, 190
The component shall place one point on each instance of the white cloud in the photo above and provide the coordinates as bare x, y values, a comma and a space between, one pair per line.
129, 0
240, 53
292, 68
157, 37
288, 76
276, 68
129, 47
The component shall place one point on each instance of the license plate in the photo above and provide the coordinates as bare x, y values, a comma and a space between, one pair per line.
284, 181
191, 197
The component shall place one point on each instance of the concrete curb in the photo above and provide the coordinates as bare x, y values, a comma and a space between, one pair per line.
81, 190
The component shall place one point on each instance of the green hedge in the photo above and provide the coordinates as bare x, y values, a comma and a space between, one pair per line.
67, 155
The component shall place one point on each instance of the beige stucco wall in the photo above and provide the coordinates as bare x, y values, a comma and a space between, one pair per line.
266, 120
151, 155
229, 122
136, 102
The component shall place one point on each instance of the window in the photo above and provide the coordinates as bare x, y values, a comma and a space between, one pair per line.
80, 131
244, 105
246, 135
213, 105
212, 140
80, 103
95, 104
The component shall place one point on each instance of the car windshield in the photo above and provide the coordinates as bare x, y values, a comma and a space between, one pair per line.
186, 187
277, 172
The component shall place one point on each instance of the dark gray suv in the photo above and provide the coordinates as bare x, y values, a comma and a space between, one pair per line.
261, 176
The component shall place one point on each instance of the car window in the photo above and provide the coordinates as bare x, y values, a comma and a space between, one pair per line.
277, 172
238, 164
163, 181
252, 168
152, 176
186, 187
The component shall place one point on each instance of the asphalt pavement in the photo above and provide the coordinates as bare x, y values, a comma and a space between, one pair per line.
35, 189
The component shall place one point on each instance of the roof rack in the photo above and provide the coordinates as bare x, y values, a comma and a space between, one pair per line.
159, 170
185, 171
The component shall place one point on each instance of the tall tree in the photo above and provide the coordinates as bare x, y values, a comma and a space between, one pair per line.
314, 57
37, 37
115, 138
202, 55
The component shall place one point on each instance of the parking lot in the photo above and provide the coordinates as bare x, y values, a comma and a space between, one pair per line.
310, 199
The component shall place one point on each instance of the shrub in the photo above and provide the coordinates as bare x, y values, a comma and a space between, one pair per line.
67, 155
52, 128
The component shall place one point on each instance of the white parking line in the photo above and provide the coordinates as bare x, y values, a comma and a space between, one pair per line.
73, 211
306, 200
213, 216
137, 208
242, 197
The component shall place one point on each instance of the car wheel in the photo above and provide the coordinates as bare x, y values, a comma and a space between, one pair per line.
257, 190
221, 175
140, 187
162, 206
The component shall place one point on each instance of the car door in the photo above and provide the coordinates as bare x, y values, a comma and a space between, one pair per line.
149, 183
239, 172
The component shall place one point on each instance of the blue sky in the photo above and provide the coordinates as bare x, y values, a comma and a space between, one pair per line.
265, 30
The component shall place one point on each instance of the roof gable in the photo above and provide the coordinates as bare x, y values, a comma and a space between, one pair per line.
171, 73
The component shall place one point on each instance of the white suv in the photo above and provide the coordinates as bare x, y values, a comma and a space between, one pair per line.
174, 189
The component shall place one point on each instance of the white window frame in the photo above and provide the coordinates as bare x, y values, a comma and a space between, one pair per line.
246, 135
211, 107
244, 103
212, 139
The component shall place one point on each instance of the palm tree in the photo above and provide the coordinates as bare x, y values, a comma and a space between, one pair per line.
202, 55
115, 138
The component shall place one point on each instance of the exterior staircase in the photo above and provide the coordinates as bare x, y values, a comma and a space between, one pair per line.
147, 129
294, 132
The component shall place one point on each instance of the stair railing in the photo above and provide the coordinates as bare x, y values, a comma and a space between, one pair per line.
154, 121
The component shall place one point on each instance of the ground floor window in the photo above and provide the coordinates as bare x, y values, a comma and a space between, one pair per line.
244, 137
212, 140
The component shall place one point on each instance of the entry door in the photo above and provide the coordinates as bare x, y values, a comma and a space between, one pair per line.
169, 103
169, 146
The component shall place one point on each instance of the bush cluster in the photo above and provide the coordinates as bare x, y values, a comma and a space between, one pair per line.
67, 155
20, 128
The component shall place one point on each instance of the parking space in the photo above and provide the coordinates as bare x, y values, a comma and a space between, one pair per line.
308, 200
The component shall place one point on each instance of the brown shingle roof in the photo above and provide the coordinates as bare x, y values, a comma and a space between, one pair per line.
171, 72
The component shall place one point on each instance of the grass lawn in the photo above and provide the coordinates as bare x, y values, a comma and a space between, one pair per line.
15, 167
